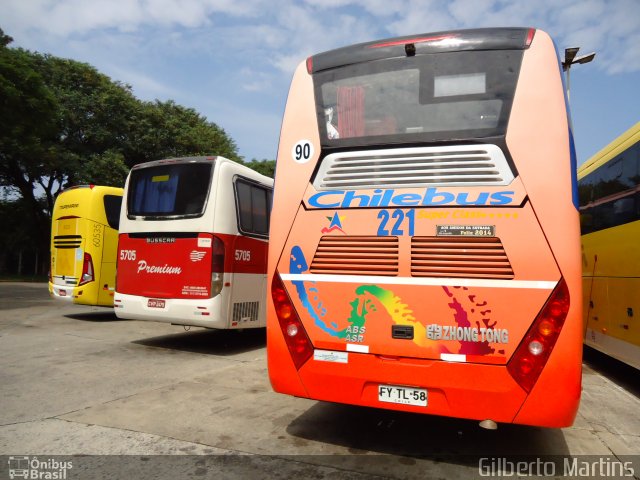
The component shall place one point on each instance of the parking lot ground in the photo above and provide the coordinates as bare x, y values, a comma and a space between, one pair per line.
78, 381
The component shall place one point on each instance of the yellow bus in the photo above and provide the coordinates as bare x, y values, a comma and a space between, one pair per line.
609, 191
84, 242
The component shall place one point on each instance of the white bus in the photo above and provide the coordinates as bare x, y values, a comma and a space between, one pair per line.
193, 244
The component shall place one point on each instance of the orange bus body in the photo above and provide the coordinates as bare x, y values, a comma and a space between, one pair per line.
454, 297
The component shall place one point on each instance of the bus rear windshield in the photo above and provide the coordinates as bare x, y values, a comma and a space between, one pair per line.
169, 191
433, 97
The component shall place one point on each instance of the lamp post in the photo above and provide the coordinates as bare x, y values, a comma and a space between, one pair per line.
570, 58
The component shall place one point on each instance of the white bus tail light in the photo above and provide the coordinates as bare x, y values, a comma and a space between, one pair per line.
217, 266
87, 270
533, 352
296, 338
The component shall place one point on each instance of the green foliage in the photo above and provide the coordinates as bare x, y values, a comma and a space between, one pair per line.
64, 123
19, 232
265, 167
168, 130
107, 168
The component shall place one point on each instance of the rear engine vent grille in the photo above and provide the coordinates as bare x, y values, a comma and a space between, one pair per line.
356, 256
245, 311
67, 241
467, 165
469, 257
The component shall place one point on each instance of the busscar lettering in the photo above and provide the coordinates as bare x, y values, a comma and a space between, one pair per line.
162, 269
431, 197
161, 240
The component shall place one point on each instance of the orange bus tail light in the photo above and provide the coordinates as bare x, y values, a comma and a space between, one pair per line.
295, 336
217, 266
87, 270
533, 352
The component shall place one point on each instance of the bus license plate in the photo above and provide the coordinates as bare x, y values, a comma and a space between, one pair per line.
155, 303
62, 293
402, 395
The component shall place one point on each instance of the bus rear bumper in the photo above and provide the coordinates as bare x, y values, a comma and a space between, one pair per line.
461, 390
197, 313
61, 292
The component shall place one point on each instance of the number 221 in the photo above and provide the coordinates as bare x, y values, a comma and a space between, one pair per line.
398, 216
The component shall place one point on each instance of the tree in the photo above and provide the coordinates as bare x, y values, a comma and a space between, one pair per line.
19, 235
168, 130
94, 118
27, 126
108, 168
265, 167
63, 123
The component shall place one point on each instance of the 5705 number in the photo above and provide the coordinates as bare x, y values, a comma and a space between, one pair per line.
399, 222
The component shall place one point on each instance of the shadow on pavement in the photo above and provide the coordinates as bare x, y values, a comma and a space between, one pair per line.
102, 316
618, 372
215, 342
423, 437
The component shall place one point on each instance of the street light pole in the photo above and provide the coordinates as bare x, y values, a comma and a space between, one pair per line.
570, 58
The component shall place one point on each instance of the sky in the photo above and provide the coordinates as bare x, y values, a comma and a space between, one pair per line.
233, 60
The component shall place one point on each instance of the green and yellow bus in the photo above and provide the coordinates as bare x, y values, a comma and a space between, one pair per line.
609, 191
84, 243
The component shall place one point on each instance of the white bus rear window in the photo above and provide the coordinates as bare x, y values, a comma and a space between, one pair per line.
170, 191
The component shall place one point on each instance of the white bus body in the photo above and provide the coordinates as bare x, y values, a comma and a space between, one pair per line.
193, 244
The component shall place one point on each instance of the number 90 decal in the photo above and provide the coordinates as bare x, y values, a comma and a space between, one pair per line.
302, 151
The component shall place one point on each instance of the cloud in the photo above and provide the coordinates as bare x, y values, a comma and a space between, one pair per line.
143, 85
289, 31
70, 17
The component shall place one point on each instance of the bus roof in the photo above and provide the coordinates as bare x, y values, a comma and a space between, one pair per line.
203, 159
621, 143
80, 201
165, 161
450, 41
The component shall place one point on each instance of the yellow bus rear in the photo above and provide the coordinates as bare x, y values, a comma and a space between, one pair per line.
84, 243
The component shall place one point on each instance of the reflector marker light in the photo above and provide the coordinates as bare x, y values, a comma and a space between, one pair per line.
357, 348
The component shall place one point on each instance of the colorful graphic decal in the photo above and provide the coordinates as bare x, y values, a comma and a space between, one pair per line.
335, 223
473, 339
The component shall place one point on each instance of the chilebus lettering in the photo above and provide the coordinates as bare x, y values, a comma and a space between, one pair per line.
385, 198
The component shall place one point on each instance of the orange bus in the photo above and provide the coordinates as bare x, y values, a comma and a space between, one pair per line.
425, 242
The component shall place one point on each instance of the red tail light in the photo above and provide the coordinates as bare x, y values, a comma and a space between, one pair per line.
87, 270
298, 342
217, 266
533, 352
530, 34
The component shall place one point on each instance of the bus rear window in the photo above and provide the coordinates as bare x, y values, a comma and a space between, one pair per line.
112, 204
174, 190
431, 97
